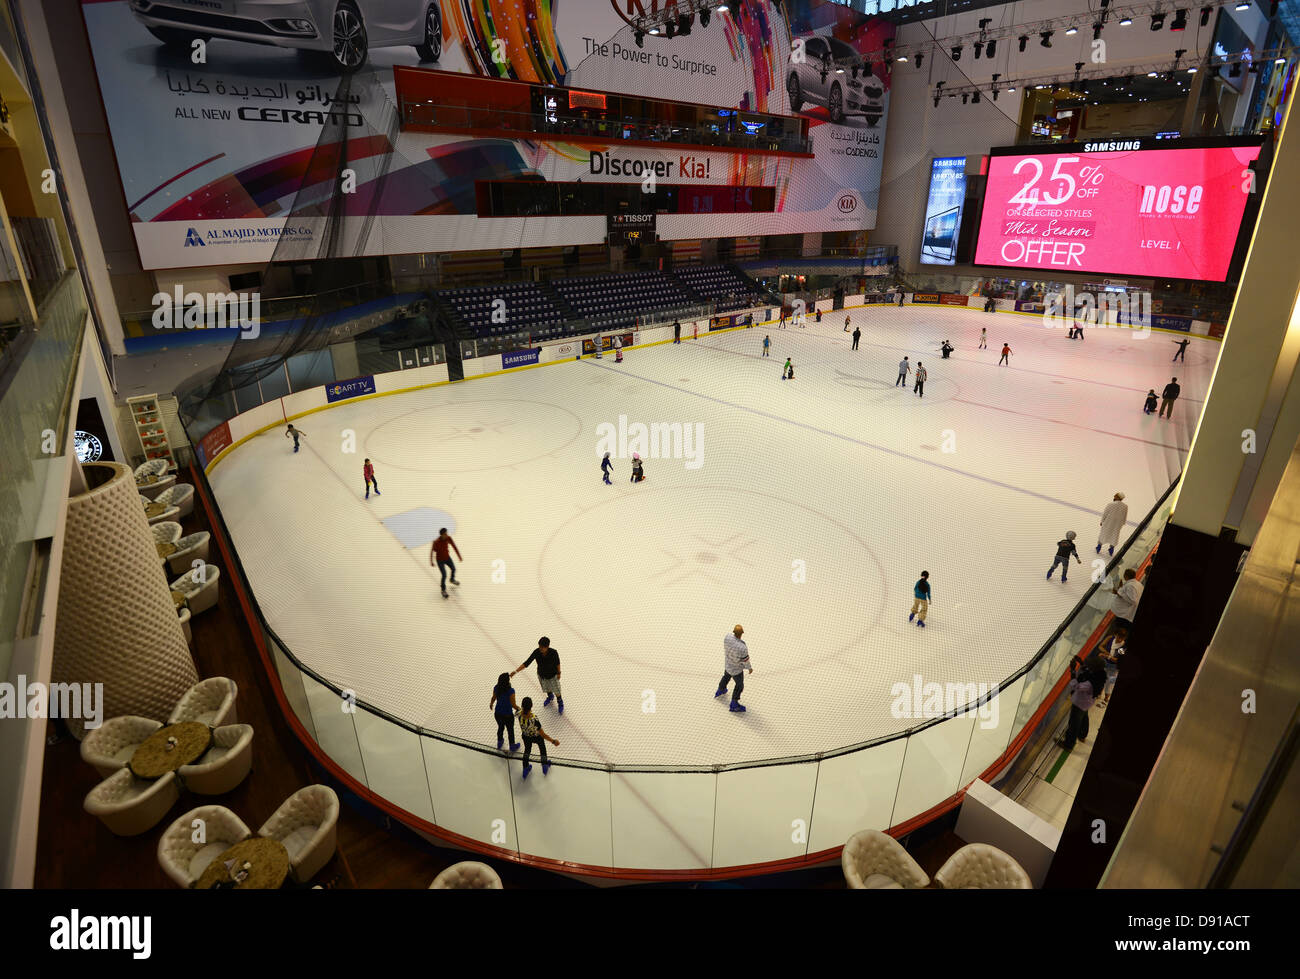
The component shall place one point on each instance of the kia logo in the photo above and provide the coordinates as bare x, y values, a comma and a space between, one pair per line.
848, 203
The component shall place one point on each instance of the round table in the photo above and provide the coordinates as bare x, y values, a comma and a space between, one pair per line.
153, 760
268, 866
154, 509
179, 599
166, 549
146, 480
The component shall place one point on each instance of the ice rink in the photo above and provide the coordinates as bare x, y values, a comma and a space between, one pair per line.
808, 512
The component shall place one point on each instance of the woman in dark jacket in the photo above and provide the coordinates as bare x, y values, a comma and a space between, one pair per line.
1085, 688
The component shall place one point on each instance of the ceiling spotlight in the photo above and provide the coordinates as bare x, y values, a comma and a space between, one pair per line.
903, 58
1024, 39
956, 52
1151, 74
1125, 21
654, 31
1279, 61
990, 47
1180, 21
1157, 22
670, 28
704, 16
1011, 88
1071, 31
984, 23
995, 95
1178, 55
964, 98
1096, 30
639, 37
1205, 15
1242, 6
979, 48
684, 23
917, 59
936, 101
975, 98
1191, 71
1046, 38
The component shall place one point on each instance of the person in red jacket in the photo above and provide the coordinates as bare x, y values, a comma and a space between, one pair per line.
368, 473
441, 552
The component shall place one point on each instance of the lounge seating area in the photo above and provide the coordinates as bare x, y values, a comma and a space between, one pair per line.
524, 307
872, 860
612, 302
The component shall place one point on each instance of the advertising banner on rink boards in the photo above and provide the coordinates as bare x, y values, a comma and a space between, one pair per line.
215, 158
925, 297
954, 298
606, 342
355, 388
519, 358
212, 444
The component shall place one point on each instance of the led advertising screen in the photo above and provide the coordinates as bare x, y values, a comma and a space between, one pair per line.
219, 157
943, 210
1165, 209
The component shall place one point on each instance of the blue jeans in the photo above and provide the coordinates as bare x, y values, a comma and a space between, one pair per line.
443, 566
738, 689
1064, 562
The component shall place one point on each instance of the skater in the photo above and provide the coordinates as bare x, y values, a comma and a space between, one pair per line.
1110, 651
790, 373
638, 472
786, 368
919, 390
1168, 396
295, 434
606, 467
1182, 349
1150, 406
904, 368
548, 672
504, 708
618, 350
600, 347
735, 663
1083, 691
780, 324
900, 300
767, 344
530, 728
1064, 548
920, 599
984, 337
857, 333
1113, 519
677, 332
946, 348
368, 474
1006, 353
1127, 595
846, 324
441, 552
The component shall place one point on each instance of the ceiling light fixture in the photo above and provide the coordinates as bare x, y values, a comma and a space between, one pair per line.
1024, 39
1046, 38
1180, 21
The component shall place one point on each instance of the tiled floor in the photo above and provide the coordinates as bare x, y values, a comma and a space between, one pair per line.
1049, 792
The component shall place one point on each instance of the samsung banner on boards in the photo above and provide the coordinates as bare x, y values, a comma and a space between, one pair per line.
943, 210
216, 158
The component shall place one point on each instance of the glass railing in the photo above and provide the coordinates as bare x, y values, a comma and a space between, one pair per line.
646, 818
34, 411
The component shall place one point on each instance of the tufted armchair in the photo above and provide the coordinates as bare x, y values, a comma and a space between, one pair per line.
170, 511
224, 765
872, 859
210, 702
468, 875
180, 496
979, 865
307, 824
111, 745
182, 859
200, 595
166, 532
189, 548
129, 806
151, 478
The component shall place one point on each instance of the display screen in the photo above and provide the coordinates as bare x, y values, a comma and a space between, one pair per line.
1136, 207
943, 210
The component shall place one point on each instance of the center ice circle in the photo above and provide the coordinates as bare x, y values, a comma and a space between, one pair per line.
636, 576
472, 436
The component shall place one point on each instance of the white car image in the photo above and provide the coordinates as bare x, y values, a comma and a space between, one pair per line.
340, 32
833, 76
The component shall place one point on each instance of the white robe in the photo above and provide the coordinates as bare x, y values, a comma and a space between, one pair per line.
1113, 519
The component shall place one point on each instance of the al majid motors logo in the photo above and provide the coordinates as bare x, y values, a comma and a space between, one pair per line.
848, 202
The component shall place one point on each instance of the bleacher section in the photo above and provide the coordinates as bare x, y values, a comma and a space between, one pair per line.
613, 302
528, 307
718, 284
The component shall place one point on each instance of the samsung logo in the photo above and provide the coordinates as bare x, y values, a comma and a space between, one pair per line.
1113, 147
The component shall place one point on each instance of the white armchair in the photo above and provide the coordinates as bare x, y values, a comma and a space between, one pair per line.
201, 594
469, 875
982, 866
224, 765
129, 806
111, 745
189, 548
181, 495
169, 511
182, 859
307, 824
152, 478
210, 702
872, 859
166, 532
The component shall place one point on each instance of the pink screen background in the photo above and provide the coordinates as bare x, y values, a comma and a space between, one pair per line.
1106, 229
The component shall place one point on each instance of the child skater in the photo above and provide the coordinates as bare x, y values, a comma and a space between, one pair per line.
618, 350
295, 434
638, 472
786, 368
606, 467
503, 708
531, 729
790, 371
1150, 406
368, 473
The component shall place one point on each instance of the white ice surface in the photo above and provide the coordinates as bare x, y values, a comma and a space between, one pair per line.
636, 585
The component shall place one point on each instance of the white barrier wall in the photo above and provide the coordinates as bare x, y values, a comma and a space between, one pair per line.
412, 378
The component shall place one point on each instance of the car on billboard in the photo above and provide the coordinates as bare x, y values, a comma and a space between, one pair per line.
833, 76
339, 32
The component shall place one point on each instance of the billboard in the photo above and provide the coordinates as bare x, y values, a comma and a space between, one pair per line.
943, 210
1164, 209
215, 146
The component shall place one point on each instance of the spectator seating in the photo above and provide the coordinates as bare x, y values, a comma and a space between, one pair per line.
528, 308
613, 302
718, 284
